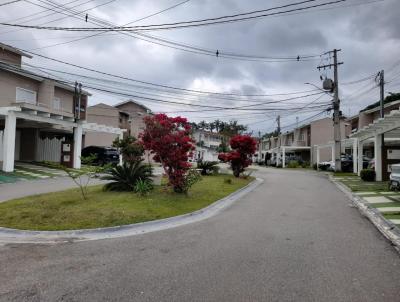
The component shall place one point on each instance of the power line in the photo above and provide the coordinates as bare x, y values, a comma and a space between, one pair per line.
178, 25
181, 46
148, 83
10, 2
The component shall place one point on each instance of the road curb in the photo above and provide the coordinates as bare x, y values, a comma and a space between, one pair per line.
13, 236
387, 228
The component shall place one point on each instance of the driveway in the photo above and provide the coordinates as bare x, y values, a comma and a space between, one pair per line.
294, 238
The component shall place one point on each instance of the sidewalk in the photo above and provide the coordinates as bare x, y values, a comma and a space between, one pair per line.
33, 187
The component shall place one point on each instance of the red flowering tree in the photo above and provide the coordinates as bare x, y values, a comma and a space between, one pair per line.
168, 139
243, 147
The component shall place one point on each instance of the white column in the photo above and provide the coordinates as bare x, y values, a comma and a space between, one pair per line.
283, 157
378, 156
360, 155
318, 157
121, 137
355, 156
77, 146
9, 142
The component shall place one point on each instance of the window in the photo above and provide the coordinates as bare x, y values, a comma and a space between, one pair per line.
56, 104
25, 96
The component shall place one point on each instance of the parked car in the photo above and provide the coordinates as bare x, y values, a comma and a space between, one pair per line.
347, 164
104, 155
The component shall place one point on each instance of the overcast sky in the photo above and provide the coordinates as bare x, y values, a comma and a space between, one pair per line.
368, 34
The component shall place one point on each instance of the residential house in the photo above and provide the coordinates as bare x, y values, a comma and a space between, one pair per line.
41, 118
207, 144
127, 115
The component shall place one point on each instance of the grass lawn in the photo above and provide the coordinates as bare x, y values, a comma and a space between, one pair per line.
355, 184
67, 211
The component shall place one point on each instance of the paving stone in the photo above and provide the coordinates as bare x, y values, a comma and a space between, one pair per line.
378, 199
387, 193
365, 193
389, 209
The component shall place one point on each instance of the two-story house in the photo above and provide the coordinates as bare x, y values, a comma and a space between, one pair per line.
127, 116
207, 144
41, 119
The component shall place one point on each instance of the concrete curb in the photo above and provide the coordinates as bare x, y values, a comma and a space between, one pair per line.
387, 228
13, 236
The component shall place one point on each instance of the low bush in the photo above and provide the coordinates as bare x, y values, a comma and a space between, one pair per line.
368, 175
208, 167
125, 177
190, 179
315, 166
305, 164
293, 164
228, 181
143, 187
323, 167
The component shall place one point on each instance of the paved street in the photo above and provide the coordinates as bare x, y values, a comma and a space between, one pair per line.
295, 238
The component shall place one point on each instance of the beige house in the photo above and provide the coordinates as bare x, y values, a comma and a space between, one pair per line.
127, 115
40, 118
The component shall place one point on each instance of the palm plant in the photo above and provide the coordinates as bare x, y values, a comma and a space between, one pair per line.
125, 177
208, 167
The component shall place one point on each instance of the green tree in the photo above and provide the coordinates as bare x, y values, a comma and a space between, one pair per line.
131, 149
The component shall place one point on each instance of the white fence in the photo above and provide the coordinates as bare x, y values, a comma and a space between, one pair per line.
48, 149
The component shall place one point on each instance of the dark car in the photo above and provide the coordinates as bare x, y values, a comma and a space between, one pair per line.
104, 155
347, 163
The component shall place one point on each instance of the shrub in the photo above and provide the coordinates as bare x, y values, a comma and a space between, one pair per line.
143, 187
82, 177
208, 167
305, 164
131, 149
243, 147
293, 164
323, 167
228, 181
315, 166
191, 178
125, 177
368, 175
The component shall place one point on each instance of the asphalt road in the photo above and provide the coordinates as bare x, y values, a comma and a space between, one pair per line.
295, 238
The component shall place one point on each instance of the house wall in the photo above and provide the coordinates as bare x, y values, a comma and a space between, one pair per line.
137, 113
8, 86
10, 57
104, 115
66, 98
321, 134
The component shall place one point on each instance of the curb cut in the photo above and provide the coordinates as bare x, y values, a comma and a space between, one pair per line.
14, 236
387, 228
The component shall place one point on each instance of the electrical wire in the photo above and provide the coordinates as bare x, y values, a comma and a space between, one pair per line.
177, 25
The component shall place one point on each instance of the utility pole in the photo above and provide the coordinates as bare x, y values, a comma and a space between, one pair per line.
334, 87
382, 111
78, 97
381, 75
278, 120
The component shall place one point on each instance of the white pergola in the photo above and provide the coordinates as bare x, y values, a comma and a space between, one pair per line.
390, 123
351, 142
11, 115
283, 149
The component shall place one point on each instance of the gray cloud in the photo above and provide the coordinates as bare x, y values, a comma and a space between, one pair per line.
367, 34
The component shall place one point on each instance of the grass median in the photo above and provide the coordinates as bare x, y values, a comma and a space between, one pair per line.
66, 210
